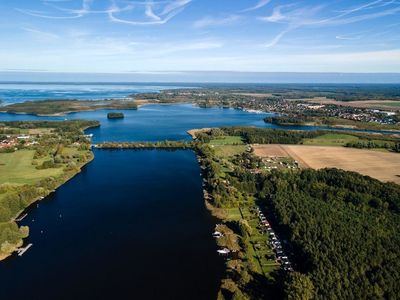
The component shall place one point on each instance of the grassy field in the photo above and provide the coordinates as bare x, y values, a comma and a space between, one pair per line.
331, 139
229, 150
227, 140
393, 103
228, 146
17, 168
233, 214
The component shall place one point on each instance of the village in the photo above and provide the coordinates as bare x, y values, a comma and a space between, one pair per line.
12, 141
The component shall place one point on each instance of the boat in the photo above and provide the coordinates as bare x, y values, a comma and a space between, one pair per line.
224, 251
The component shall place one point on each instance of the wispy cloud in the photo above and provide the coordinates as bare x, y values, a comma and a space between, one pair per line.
277, 38
169, 9
210, 21
296, 17
150, 13
348, 37
41, 34
260, 4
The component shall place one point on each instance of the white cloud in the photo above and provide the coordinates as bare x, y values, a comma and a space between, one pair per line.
41, 34
170, 8
209, 21
307, 16
260, 4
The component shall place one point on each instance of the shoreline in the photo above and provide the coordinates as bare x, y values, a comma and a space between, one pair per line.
4, 256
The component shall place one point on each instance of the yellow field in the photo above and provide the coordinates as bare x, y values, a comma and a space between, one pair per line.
384, 166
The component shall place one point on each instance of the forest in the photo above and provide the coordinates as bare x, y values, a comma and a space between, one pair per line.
343, 228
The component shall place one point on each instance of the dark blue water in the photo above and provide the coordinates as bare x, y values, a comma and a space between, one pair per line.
133, 226
156, 122
17, 92
160, 122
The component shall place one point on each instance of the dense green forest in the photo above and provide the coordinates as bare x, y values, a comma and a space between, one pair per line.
343, 227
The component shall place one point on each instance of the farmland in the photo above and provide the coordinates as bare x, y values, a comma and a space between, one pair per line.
383, 166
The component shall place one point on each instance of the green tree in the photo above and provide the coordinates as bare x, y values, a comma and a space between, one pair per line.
299, 287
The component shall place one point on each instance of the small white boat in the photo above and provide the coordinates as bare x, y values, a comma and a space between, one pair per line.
224, 251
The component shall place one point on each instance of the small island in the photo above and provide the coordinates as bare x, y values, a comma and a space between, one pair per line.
115, 115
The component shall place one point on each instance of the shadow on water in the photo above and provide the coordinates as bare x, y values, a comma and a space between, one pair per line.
131, 224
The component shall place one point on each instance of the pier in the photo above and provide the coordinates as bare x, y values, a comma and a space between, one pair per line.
21, 217
21, 251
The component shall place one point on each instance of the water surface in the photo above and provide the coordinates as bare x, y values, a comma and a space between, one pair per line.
132, 225
20, 92
156, 122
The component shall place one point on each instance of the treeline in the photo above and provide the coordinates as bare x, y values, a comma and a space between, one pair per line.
344, 230
146, 145
252, 135
395, 147
61, 125
289, 120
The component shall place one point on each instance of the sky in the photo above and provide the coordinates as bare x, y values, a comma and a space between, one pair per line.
170, 36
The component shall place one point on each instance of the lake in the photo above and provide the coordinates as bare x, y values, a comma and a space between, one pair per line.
155, 122
131, 225
20, 92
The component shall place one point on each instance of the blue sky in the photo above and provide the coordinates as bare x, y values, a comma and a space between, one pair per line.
200, 35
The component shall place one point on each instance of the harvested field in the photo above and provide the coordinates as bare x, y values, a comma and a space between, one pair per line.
384, 166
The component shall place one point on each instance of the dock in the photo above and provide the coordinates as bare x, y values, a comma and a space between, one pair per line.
21, 217
21, 251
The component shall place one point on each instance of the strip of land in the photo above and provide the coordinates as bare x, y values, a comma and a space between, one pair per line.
62, 107
384, 166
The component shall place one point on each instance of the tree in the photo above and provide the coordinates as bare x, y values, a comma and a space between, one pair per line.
299, 287
24, 231
6, 247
